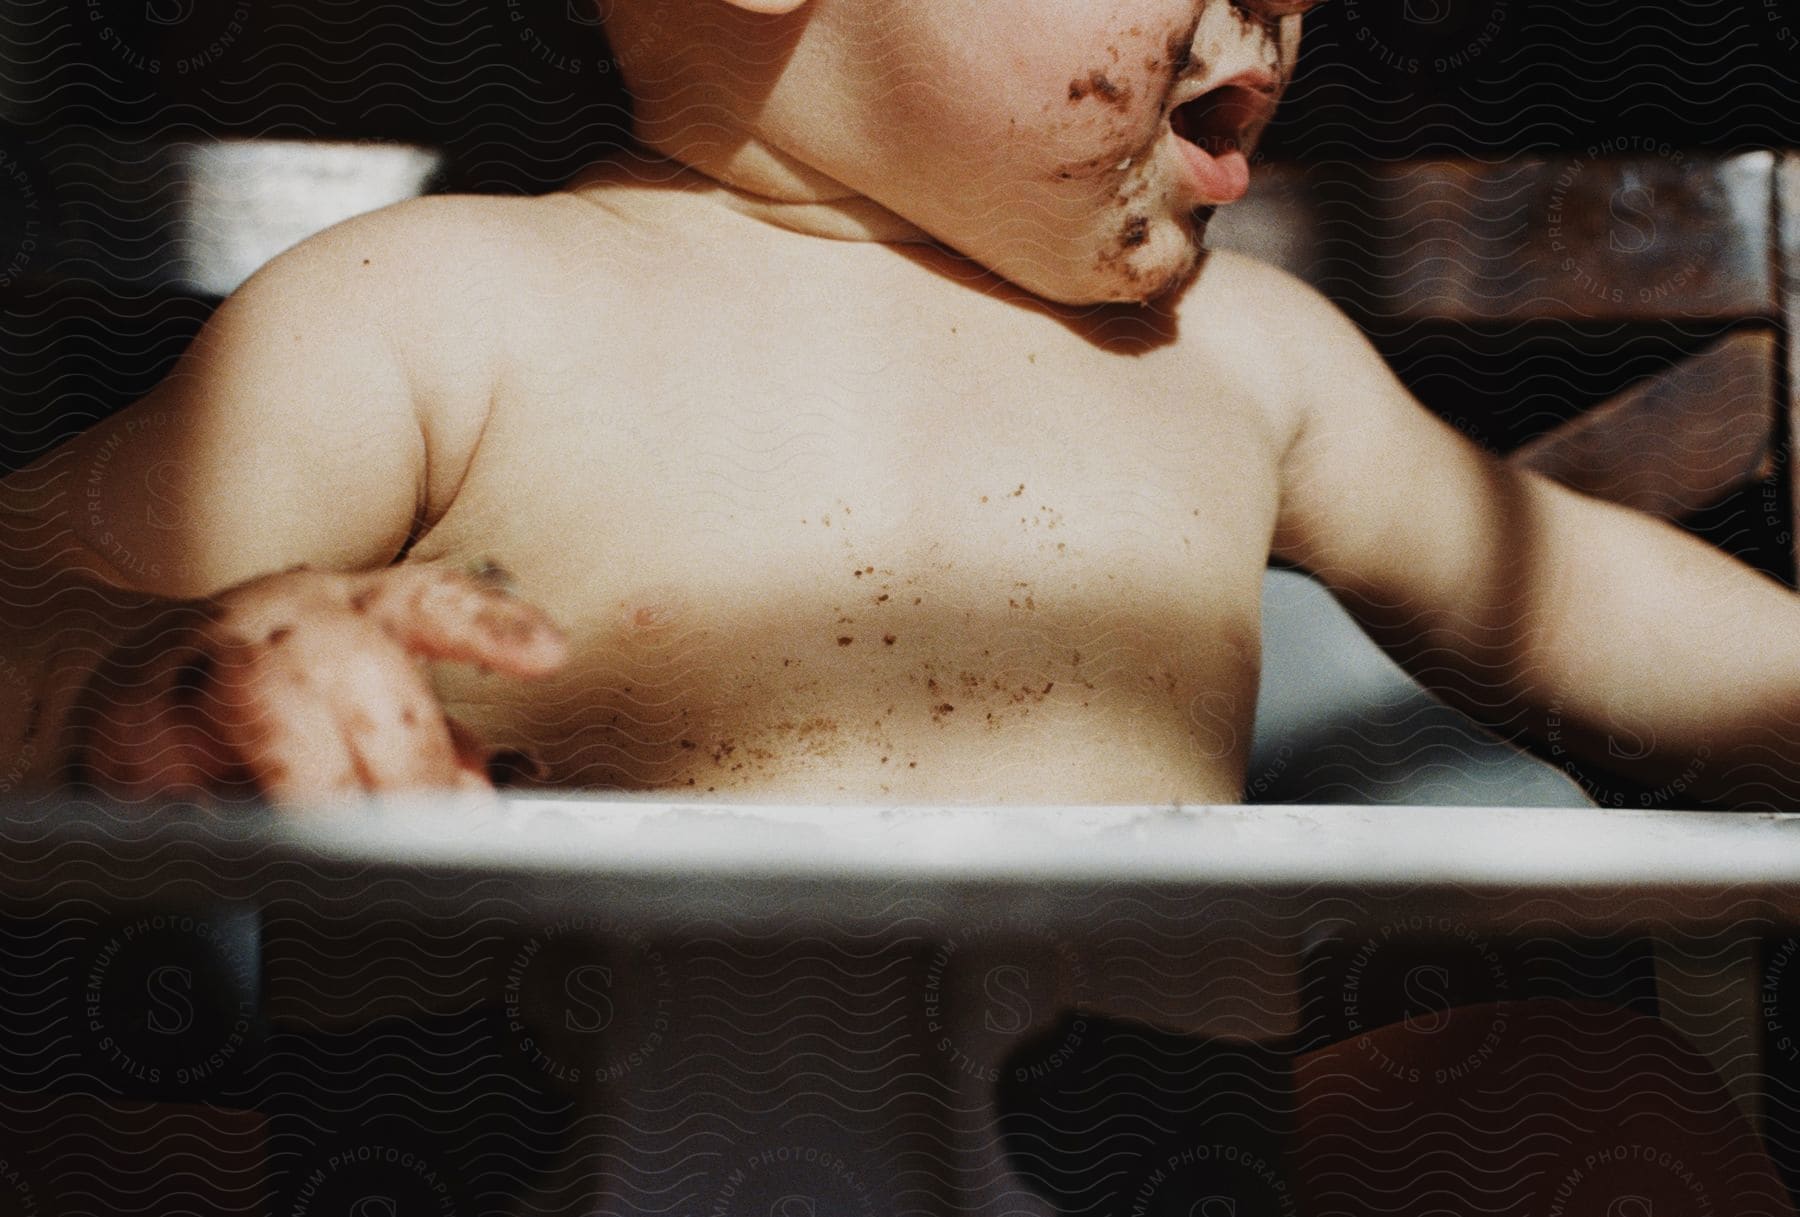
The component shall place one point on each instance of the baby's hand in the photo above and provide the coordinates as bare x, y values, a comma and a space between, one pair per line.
304, 686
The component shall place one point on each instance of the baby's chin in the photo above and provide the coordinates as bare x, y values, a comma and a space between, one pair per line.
1138, 261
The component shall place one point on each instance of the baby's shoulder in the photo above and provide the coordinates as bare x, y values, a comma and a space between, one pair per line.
1241, 304
1276, 335
427, 245
452, 281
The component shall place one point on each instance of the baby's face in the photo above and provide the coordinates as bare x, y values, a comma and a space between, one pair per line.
1075, 147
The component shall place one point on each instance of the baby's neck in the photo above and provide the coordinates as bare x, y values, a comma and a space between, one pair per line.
757, 182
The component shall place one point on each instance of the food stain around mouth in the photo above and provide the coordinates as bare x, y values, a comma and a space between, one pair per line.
1117, 257
1093, 166
1180, 52
1104, 84
1098, 85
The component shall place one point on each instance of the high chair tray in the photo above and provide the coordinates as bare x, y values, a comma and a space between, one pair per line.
644, 860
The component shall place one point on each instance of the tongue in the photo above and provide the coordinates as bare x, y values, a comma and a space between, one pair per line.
1224, 178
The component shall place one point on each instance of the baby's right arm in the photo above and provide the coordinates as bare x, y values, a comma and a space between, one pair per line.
155, 634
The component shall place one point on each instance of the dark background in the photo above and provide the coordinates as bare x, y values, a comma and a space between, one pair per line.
1492, 79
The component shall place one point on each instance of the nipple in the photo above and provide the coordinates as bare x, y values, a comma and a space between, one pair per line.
653, 611
652, 617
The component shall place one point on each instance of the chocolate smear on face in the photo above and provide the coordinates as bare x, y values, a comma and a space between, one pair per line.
1098, 85
1180, 54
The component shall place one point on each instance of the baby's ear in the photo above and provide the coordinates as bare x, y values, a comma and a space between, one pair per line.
772, 7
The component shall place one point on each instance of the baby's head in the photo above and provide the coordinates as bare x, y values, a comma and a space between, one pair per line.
1044, 140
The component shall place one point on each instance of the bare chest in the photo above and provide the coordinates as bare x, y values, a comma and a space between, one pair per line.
855, 581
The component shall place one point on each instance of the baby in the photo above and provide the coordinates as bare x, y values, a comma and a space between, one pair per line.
880, 431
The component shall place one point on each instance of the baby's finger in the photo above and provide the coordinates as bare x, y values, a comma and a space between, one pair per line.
445, 615
392, 727
289, 743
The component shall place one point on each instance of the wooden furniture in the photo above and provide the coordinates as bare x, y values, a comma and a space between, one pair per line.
1676, 238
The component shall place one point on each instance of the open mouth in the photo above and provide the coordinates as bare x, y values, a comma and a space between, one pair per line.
1213, 128
1219, 120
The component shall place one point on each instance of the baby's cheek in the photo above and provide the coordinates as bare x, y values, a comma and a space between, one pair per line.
1090, 147
1107, 109
935, 132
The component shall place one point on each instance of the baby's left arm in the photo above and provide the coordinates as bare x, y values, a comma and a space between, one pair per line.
1609, 635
